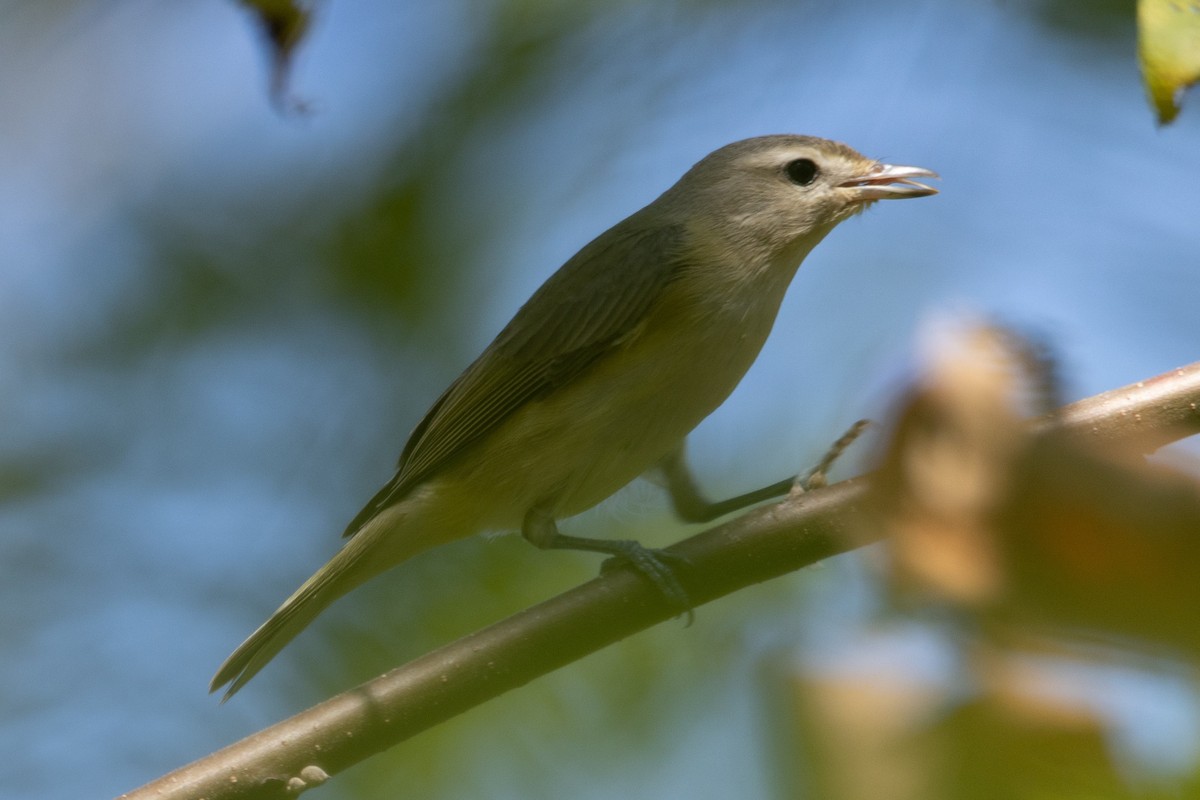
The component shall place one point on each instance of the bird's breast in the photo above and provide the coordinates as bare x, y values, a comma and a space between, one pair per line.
581, 443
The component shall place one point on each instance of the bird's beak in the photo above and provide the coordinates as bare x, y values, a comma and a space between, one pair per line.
890, 182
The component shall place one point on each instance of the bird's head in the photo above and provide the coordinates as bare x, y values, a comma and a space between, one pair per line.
786, 192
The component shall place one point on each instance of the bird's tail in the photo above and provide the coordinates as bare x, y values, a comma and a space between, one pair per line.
355, 563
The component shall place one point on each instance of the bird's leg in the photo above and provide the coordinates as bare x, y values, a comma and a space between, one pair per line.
692, 506
540, 529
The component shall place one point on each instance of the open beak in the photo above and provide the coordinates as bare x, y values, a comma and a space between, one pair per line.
890, 182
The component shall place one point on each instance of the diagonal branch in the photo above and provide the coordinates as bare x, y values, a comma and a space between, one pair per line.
765, 543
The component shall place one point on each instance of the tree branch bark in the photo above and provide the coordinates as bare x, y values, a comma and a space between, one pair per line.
765, 543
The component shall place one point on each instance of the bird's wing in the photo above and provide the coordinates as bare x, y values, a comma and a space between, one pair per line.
576, 318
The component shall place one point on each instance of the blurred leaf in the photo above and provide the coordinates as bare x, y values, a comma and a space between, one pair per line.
284, 24
842, 735
1038, 544
949, 466
1013, 524
1169, 47
994, 748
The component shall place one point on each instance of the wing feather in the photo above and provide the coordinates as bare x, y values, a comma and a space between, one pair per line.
574, 320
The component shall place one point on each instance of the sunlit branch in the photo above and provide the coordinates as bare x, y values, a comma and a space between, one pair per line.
757, 546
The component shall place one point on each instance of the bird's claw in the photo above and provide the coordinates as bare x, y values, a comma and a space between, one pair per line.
656, 566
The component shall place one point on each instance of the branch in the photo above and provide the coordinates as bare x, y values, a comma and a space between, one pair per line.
300, 752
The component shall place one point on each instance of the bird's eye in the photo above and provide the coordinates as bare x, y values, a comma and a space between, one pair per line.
802, 171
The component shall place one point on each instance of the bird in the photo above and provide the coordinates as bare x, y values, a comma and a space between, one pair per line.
603, 372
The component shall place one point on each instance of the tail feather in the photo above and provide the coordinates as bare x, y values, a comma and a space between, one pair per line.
392, 536
328, 584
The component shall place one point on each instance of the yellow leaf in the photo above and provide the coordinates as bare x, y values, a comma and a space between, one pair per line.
1169, 48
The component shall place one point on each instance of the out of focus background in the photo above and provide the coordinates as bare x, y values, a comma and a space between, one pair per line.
222, 310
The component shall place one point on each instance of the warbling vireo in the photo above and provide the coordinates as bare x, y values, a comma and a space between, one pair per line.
604, 371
